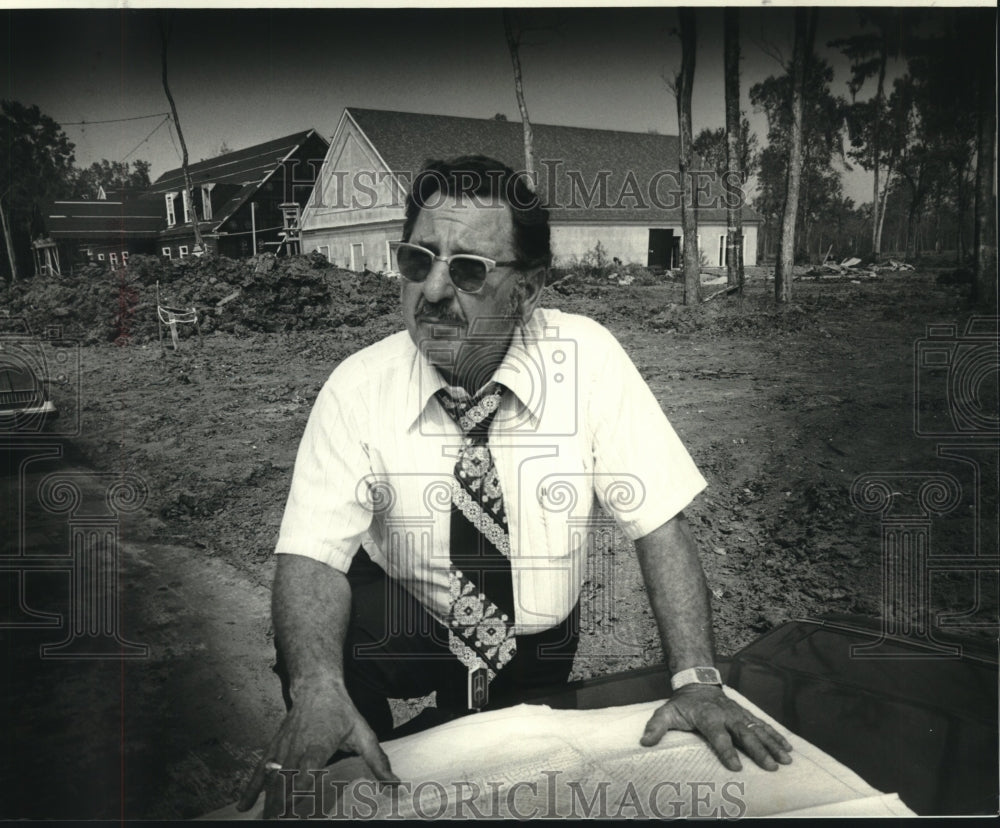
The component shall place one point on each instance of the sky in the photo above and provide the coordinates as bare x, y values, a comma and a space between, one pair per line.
241, 76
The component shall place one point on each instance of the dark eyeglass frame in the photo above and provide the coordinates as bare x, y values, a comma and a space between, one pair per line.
487, 264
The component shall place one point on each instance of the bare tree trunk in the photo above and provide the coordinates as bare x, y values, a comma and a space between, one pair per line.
689, 220
877, 246
805, 27
879, 214
962, 205
514, 45
734, 217
10, 245
165, 33
985, 285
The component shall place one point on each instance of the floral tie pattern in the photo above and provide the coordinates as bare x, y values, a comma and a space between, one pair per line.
480, 630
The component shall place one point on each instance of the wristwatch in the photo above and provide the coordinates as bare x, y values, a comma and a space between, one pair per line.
696, 675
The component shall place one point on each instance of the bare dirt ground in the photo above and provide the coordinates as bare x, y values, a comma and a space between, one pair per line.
781, 408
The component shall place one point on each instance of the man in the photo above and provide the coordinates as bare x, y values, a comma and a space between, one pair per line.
458, 455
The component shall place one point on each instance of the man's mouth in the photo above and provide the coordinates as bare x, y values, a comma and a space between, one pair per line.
444, 319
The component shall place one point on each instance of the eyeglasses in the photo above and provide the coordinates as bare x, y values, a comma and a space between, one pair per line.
467, 271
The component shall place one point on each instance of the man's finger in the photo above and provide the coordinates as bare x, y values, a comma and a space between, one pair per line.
774, 742
750, 739
279, 787
663, 719
720, 740
253, 788
260, 774
371, 751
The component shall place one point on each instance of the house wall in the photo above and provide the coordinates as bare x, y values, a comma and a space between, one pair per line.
357, 202
354, 188
355, 248
630, 243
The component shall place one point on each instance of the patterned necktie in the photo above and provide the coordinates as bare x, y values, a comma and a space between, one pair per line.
481, 617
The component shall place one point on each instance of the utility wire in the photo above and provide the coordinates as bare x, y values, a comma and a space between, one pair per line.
144, 140
114, 120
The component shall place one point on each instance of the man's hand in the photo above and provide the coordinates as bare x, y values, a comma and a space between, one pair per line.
726, 725
322, 721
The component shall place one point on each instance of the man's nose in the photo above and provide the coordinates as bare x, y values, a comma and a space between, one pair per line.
437, 285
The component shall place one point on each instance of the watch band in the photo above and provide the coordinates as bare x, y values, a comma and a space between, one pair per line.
696, 675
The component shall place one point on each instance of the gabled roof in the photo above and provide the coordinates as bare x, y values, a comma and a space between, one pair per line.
244, 166
573, 157
138, 218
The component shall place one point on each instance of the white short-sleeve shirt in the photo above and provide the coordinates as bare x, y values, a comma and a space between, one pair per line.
579, 427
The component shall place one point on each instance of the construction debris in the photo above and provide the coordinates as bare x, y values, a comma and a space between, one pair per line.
264, 293
849, 269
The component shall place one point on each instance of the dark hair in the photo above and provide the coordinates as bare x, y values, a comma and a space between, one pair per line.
478, 177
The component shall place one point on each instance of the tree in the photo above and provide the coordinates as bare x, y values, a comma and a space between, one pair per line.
682, 89
869, 54
37, 161
710, 146
513, 32
110, 175
985, 285
805, 29
734, 219
821, 144
944, 93
189, 189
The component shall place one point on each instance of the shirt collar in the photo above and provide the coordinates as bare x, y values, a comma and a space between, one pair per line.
517, 372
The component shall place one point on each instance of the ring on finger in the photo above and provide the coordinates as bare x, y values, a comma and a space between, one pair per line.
753, 724
272, 766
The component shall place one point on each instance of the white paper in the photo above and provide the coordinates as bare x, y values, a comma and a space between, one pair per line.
533, 761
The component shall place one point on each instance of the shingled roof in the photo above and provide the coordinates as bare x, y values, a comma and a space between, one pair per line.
246, 168
138, 218
575, 158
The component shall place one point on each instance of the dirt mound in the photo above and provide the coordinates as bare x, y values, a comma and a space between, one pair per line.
263, 293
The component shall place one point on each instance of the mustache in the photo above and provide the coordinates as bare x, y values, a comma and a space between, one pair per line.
438, 311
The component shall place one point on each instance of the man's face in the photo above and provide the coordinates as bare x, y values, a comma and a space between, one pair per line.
464, 334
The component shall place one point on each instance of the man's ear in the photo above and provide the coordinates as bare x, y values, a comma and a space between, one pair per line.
531, 286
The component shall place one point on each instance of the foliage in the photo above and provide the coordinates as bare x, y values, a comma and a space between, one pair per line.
38, 158
110, 175
710, 146
823, 116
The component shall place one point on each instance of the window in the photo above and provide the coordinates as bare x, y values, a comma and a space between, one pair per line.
325, 250
182, 251
171, 215
357, 257
100, 257
167, 253
206, 201
114, 260
187, 205
124, 257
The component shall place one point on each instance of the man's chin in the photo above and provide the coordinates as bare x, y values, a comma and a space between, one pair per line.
440, 348
446, 330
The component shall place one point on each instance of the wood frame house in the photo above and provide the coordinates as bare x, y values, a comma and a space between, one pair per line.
238, 197
247, 201
618, 188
